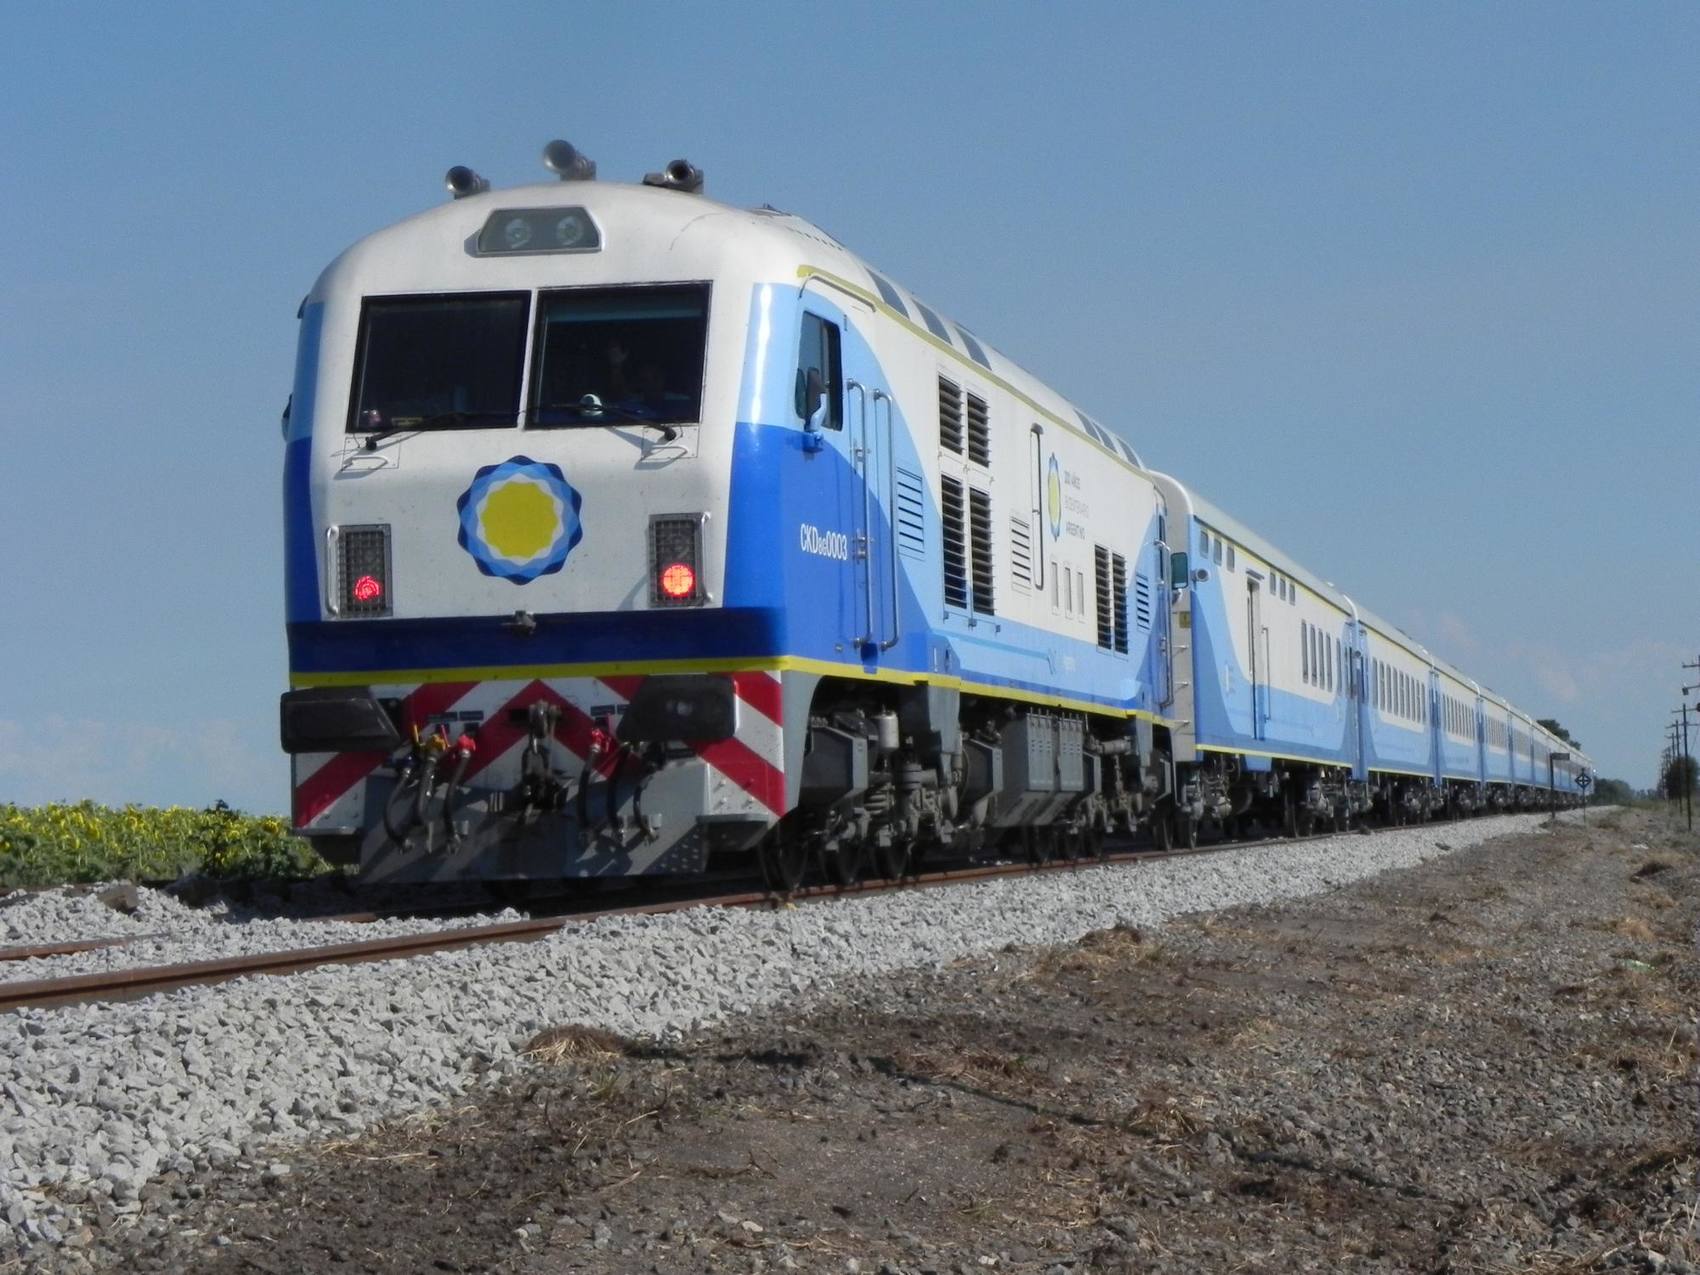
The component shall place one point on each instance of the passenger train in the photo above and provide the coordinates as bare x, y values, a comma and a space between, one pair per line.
627, 532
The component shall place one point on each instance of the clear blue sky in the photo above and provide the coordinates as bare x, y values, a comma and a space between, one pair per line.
1413, 289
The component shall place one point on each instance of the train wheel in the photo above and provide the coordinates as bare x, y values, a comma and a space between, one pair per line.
1162, 836
1305, 823
1186, 832
1072, 843
843, 861
784, 859
1039, 843
891, 860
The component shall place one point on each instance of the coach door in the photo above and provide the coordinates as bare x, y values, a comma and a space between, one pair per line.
1357, 687
1162, 668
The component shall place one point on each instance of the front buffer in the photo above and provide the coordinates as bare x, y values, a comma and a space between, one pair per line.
541, 779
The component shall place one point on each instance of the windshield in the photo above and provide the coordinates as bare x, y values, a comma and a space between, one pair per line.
439, 362
621, 353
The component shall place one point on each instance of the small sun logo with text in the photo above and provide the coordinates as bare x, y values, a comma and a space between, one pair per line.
1054, 497
520, 519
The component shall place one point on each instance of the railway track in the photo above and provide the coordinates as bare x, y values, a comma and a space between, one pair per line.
133, 984
36, 951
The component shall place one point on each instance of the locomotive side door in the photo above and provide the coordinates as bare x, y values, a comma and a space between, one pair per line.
1257, 663
854, 420
873, 547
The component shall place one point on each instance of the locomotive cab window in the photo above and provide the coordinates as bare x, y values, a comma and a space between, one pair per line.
439, 362
605, 356
819, 378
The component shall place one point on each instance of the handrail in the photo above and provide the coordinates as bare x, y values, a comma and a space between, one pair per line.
880, 396
866, 546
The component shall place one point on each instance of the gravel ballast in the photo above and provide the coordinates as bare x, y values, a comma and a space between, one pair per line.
100, 1099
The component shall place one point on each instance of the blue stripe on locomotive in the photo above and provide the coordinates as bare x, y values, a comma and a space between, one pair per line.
300, 557
778, 487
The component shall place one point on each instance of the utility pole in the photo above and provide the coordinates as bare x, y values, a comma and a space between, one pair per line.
1671, 798
1687, 771
1687, 786
1688, 796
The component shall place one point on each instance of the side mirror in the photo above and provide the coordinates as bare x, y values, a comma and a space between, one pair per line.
811, 398
1180, 571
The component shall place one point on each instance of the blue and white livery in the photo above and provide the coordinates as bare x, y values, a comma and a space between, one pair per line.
626, 530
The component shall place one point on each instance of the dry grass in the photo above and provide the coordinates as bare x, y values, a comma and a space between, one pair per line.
408, 1137
1654, 899
576, 1043
1101, 951
1633, 927
979, 1068
1655, 865
1259, 1033
1165, 1118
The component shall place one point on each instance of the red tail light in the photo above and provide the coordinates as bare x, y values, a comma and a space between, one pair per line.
675, 560
678, 580
360, 580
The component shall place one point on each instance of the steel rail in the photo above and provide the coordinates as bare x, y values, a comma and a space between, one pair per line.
133, 984
39, 950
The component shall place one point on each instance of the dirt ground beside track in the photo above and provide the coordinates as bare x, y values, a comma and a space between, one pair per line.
1484, 1064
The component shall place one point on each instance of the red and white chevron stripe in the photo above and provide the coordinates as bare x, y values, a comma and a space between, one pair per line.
328, 785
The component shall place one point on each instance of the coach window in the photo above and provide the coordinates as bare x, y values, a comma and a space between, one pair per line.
608, 356
441, 362
1230, 557
1304, 652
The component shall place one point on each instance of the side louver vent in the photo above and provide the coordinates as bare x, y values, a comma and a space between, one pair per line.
980, 532
1118, 597
953, 520
1101, 565
911, 514
1142, 602
979, 431
1020, 552
950, 416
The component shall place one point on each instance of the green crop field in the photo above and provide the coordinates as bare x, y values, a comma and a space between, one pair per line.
59, 844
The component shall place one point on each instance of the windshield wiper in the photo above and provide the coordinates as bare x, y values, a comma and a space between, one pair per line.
593, 410
407, 423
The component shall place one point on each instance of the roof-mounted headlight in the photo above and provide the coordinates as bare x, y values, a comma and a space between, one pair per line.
462, 181
568, 163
